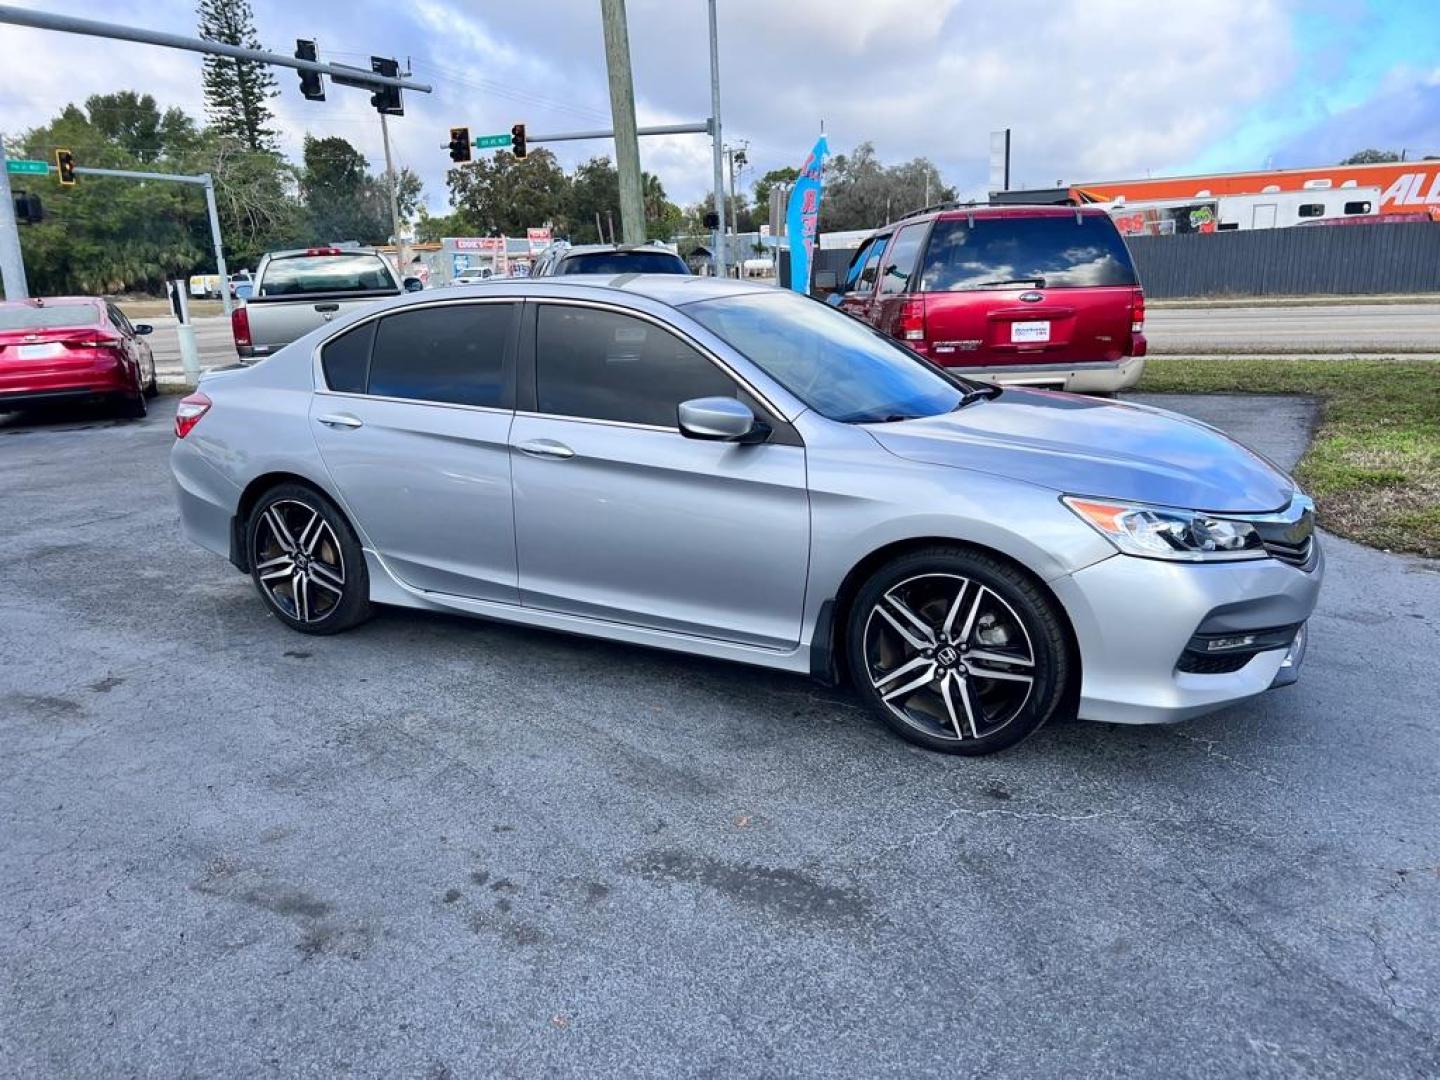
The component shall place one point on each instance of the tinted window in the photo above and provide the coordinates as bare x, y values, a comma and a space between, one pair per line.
1311, 209
346, 359
900, 260
866, 283
445, 352
624, 262
1050, 252
852, 273
1357, 208
51, 316
605, 366
300, 274
835, 364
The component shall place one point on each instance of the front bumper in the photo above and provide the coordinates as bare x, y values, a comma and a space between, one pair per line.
1135, 618
1100, 377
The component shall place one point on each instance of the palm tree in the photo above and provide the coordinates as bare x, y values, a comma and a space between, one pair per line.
652, 194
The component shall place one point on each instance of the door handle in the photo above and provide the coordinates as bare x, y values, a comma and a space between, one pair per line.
548, 448
340, 420
327, 307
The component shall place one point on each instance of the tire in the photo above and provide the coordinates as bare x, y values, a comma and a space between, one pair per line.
306, 562
152, 388
132, 406
957, 651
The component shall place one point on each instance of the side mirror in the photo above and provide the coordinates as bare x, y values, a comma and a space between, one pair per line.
826, 280
413, 284
144, 328
720, 419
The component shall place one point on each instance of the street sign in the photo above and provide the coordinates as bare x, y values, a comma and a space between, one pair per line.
40, 168
491, 142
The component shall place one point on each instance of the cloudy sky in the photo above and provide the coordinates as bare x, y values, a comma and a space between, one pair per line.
1093, 89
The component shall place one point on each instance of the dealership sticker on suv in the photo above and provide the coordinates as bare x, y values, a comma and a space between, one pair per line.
1026, 332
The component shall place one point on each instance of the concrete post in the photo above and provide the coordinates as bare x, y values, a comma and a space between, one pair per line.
622, 111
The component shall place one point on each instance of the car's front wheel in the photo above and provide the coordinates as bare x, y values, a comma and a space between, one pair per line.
957, 651
306, 562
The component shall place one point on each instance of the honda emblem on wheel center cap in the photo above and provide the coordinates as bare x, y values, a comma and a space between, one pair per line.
947, 656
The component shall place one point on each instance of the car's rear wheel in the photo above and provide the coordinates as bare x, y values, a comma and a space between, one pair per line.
957, 651
132, 406
306, 562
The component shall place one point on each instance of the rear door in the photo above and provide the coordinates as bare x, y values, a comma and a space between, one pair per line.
1039, 288
412, 418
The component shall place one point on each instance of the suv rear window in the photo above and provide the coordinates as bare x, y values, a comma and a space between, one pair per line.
299, 275
1047, 252
623, 262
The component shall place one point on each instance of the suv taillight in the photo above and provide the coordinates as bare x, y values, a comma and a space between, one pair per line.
1137, 312
188, 413
240, 326
912, 322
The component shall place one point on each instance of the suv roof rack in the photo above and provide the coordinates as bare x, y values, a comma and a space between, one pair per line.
952, 204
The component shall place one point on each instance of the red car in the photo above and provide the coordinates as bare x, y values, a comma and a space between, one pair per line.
1035, 295
73, 348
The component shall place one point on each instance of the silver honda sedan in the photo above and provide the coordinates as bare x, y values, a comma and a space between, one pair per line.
740, 472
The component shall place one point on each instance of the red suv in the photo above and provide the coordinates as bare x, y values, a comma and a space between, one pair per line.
1036, 295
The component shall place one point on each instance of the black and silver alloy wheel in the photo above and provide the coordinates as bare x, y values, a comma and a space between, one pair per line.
949, 656
957, 651
298, 561
306, 562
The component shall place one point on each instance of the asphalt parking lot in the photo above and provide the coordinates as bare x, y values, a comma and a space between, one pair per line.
442, 848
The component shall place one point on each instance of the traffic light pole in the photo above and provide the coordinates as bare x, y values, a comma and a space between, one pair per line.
716, 142
12, 266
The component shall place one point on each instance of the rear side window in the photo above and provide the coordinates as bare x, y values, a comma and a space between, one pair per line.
298, 275
1046, 252
624, 262
900, 260
604, 366
346, 359
454, 353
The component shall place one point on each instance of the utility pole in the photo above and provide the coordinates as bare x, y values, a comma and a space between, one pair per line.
12, 265
402, 249
716, 145
622, 112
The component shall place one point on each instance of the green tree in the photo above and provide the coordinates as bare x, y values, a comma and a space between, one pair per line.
861, 192
342, 200
1371, 157
594, 189
784, 175
502, 194
237, 92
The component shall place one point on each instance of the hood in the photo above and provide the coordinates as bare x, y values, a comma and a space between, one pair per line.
1086, 446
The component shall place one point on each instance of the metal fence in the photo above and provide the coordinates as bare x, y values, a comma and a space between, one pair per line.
1341, 260
1323, 260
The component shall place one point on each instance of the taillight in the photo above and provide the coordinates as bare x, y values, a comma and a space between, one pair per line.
1137, 312
96, 341
240, 326
912, 322
188, 413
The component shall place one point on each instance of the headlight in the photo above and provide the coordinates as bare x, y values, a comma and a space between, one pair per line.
1160, 532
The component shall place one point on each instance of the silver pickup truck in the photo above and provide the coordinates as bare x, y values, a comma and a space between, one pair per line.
296, 291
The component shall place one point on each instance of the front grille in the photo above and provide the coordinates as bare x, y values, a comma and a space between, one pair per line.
1301, 554
1292, 541
1222, 664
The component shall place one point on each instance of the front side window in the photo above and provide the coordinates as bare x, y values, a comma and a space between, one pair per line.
601, 365
866, 282
835, 364
454, 353
900, 260
857, 264
1044, 251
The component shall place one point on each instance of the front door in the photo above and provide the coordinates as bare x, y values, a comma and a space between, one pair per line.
618, 516
413, 424
857, 300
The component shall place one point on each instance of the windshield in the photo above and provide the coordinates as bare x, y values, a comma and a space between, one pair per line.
1044, 252
49, 317
623, 262
834, 364
301, 274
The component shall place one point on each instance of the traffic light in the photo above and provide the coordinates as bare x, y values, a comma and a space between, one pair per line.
387, 98
28, 208
65, 163
312, 83
460, 144
517, 141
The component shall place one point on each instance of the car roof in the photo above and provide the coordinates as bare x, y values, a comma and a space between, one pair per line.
966, 213
671, 289
617, 249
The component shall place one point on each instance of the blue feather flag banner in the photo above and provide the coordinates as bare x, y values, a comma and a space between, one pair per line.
802, 216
